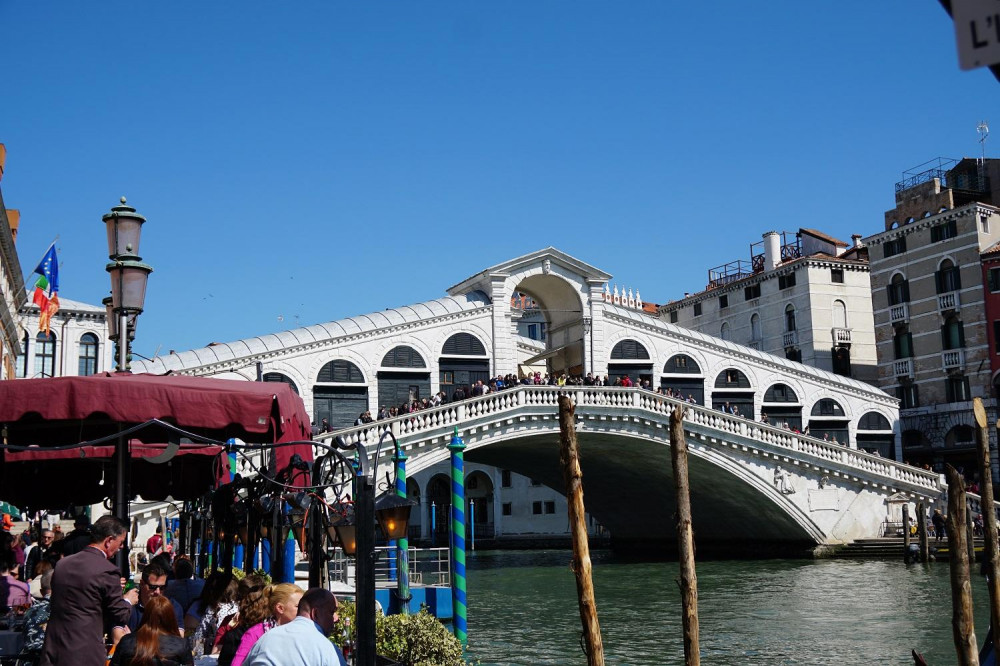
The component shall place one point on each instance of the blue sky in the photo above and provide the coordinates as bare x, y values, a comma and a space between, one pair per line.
314, 160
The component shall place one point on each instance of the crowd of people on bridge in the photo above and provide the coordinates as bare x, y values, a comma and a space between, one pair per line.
74, 607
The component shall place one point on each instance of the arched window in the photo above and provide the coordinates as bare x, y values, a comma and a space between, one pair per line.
281, 379
340, 371
88, 355
952, 334
724, 331
45, 355
947, 278
463, 344
789, 318
828, 407
681, 364
403, 357
839, 314
898, 290
874, 421
628, 350
780, 393
732, 378
755, 332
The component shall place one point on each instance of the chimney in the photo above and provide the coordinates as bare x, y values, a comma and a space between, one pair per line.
772, 250
857, 240
14, 220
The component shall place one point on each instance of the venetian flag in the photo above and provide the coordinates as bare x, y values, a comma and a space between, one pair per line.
46, 295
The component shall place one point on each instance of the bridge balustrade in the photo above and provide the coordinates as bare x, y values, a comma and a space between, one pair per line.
529, 397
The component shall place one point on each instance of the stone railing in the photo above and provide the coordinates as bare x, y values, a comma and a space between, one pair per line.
528, 399
903, 367
841, 336
953, 359
948, 301
899, 313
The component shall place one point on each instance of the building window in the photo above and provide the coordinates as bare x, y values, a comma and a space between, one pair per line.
697, 309
984, 223
947, 278
505, 480
550, 507
944, 231
22, 367
993, 278
755, 333
724, 331
902, 344
447, 377
898, 290
751, 292
786, 281
996, 336
673, 317
957, 389
507, 509
793, 354
837, 275
536, 508
88, 355
952, 334
789, 319
724, 301
45, 355
908, 395
894, 247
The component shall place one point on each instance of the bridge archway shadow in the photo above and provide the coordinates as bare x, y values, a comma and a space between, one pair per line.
629, 488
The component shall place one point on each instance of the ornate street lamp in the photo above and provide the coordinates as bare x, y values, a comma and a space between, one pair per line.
128, 293
128, 273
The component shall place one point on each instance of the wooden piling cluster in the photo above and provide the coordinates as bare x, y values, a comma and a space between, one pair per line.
991, 556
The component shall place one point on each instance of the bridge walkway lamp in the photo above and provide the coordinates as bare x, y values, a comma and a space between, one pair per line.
128, 295
355, 529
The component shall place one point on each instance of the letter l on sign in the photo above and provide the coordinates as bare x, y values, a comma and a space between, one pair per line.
977, 31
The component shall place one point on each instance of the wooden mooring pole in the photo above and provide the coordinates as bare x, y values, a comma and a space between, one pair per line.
991, 553
922, 532
685, 539
906, 533
962, 628
569, 458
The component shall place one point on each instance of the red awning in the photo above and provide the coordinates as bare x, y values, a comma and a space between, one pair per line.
69, 410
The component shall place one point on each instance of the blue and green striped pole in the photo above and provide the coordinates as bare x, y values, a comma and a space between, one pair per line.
458, 595
402, 545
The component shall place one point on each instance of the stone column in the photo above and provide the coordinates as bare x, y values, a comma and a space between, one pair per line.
504, 353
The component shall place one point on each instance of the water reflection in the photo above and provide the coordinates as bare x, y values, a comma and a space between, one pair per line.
523, 610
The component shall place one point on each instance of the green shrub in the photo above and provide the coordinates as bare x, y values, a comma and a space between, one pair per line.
414, 640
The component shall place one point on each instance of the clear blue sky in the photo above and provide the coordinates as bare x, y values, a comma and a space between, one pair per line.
315, 160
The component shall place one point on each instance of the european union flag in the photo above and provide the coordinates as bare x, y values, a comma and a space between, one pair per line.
49, 267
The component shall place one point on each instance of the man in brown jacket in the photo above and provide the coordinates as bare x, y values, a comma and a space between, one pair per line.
86, 597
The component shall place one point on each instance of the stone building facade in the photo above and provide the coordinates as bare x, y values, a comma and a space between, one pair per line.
929, 300
12, 295
77, 343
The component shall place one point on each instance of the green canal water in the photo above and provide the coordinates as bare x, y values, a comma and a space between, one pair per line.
523, 610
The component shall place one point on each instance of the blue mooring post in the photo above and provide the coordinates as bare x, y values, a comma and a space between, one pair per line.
472, 524
459, 599
402, 545
288, 561
433, 524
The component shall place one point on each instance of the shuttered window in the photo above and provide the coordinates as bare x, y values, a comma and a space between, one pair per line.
463, 344
403, 357
340, 371
628, 350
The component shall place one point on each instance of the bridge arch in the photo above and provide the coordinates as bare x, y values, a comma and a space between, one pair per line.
683, 374
479, 488
339, 393
560, 297
733, 388
438, 505
463, 361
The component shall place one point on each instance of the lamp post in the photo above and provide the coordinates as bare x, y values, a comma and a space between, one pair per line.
357, 535
128, 292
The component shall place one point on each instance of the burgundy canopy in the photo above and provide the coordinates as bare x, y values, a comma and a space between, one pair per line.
69, 410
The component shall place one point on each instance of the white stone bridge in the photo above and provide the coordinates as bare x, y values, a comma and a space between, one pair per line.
832, 494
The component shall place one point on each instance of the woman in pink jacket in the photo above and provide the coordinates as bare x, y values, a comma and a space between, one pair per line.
283, 600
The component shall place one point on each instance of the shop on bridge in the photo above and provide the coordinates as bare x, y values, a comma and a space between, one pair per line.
733, 386
682, 375
463, 362
875, 435
340, 394
828, 421
403, 377
629, 357
782, 406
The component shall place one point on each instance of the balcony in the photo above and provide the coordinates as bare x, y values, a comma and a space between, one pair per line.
899, 314
948, 301
903, 368
841, 336
953, 359
790, 339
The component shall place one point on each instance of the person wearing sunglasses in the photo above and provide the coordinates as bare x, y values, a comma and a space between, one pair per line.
152, 584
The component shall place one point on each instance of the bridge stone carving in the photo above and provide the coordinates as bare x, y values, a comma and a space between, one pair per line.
832, 494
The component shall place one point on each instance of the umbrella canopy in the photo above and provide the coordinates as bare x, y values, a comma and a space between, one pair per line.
6, 507
47, 413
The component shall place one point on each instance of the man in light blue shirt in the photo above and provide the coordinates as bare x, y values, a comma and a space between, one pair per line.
303, 641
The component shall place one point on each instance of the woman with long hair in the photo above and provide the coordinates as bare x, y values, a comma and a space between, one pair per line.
252, 601
157, 642
217, 602
282, 605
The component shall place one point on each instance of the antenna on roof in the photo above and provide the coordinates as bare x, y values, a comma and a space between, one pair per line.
983, 129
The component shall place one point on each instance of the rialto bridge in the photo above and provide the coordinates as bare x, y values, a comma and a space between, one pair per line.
549, 312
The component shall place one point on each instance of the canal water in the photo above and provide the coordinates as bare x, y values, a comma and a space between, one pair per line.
523, 610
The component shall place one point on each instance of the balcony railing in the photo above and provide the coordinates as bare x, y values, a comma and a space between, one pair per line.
899, 313
841, 336
903, 367
790, 339
948, 301
754, 344
953, 359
